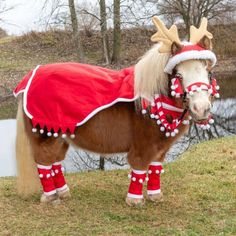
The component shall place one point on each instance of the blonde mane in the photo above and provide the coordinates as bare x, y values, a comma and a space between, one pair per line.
150, 77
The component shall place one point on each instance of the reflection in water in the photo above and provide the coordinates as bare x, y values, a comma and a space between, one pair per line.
224, 114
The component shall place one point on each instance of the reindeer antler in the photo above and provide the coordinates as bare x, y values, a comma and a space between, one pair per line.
196, 34
167, 37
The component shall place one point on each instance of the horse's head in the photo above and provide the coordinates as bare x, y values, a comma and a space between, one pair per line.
189, 66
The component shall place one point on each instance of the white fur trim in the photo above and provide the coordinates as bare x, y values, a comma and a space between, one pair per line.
56, 163
139, 172
150, 192
156, 163
63, 188
50, 193
44, 167
188, 55
130, 195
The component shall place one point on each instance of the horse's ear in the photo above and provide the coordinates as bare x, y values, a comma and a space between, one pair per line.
175, 48
205, 42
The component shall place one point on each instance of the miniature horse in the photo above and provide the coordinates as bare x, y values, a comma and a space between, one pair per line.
121, 127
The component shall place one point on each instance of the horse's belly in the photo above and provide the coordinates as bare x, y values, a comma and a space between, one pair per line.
110, 131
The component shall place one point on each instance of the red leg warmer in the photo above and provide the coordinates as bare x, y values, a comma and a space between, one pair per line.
137, 178
58, 177
45, 175
154, 173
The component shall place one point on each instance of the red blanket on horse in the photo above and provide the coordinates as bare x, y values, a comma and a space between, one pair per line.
66, 95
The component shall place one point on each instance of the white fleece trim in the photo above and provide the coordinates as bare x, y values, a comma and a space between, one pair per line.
188, 55
155, 163
130, 195
44, 167
171, 108
50, 193
94, 112
26, 91
150, 192
56, 163
62, 188
139, 172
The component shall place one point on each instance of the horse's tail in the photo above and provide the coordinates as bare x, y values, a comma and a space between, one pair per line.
27, 181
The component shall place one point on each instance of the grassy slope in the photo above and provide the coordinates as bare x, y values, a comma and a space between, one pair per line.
199, 191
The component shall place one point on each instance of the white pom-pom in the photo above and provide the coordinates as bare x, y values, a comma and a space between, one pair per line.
211, 121
162, 171
62, 169
191, 93
52, 173
217, 95
56, 171
133, 179
156, 117
204, 127
149, 171
72, 136
173, 93
41, 176
217, 87
146, 178
158, 122
49, 134
152, 116
208, 126
198, 89
63, 136
144, 111
172, 87
162, 128
140, 181
185, 122
129, 176
48, 176
41, 131
34, 130
176, 131
167, 134
153, 104
55, 135
172, 134
157, 172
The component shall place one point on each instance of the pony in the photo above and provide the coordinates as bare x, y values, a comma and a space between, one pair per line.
170, 82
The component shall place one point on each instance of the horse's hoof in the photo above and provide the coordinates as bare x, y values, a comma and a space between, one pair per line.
136, 202
65, 194
158, 197
51, 199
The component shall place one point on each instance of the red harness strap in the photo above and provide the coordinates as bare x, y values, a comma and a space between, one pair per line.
137, 178
45, 175
154, 173
58, 177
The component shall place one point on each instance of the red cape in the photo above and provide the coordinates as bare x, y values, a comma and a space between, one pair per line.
66, 95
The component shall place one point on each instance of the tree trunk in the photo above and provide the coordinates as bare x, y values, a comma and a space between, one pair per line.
103, 24
76, 34
102, 163
116, 33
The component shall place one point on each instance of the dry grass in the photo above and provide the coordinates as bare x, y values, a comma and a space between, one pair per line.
200, 199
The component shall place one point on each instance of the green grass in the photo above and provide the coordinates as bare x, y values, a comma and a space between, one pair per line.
199, 199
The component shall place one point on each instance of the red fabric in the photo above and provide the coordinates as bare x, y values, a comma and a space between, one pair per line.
58, 177
154, 174
46, 180
135, 186
63, 95
187, 48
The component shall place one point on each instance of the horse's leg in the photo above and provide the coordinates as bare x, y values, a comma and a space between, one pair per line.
58, 177
46, 151
154, 178
139, 161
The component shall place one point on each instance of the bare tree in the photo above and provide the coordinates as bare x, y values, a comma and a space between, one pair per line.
103, 24
116, 33
191, 11
76, 34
